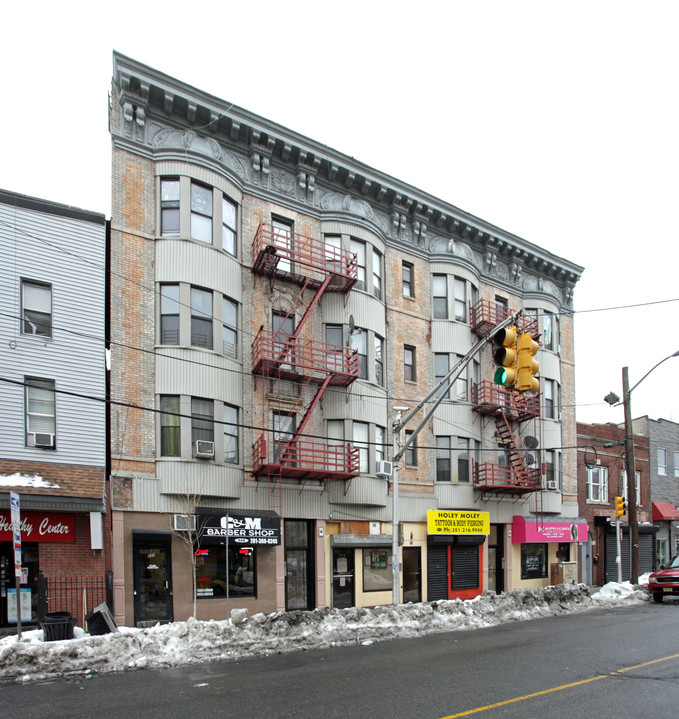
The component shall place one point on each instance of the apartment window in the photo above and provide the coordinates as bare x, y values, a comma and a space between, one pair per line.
334, 355
409, 368
359, 342
441, 369
283, 232
36, 308
360, 430
501, 309
547, 331
169, 208
533, 560
284, 428
337, 457
439, 284
201, 318
408, 279
358, 248
549, 398
377, 274
379, 443
230, 434
662, 461
460, 292
169, 314
333, 254
283, 327
597, 484
637, 485
462, 459
676, 464
461, 384
550, 470
201, 213
40, 412
170, 426
229, 215
379, 361
443, 459
202, 420
411, 452
229, 327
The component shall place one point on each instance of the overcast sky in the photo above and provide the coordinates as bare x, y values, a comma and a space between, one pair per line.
556, 122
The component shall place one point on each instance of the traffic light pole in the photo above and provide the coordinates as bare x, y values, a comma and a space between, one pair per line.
618, 557
630, 470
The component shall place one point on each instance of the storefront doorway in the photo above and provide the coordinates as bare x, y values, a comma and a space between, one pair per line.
343, 578
412, 575
152, 579
496, 559
299, 566
29, 562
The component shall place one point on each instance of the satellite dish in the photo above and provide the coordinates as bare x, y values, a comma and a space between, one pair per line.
530, 460
352, 325
531, 442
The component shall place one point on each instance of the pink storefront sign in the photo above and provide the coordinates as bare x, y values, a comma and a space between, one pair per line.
524, 530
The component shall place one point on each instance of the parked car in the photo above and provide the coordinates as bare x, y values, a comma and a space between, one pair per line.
666, 581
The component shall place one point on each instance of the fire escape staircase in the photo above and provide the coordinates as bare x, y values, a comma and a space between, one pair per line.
277, 355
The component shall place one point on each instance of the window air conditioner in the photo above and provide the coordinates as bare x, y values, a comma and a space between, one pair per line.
43, 440
184, 522
384, 469
204, 449
551, 484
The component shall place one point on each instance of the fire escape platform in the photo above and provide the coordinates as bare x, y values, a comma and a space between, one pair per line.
485, 315
302, 260
489, 398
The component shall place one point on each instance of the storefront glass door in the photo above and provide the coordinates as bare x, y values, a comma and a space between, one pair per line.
298, 565
412, 575
152, 583
342, 578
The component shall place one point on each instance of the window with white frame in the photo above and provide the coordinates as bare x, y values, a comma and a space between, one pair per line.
461, 384
230, 434
202, 420
379, 443
460, 294
597, 484
662, 461
36, 308
201, 318
439, 289
443, 459
337, 457
358, 248
463, 475
359, 342
169, 314
333, 254
377, 274
284, 237
441, 369
40, 412
229, 327
379, 360
170, 426
637, 485
550, 469
548, 326
361, 438
408, 279
549, 392
229, 228
676, 464
170, 190
201, 213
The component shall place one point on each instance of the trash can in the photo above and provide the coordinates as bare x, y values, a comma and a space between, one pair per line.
57, 626
100, 621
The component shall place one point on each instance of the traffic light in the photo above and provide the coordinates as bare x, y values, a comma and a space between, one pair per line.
620, 506
504, 357
527, 366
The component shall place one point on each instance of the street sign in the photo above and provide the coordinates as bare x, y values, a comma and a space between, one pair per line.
15, 507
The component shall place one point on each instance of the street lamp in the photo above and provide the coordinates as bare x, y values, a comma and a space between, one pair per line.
630, 468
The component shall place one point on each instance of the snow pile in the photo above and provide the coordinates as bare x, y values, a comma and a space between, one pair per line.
195, 641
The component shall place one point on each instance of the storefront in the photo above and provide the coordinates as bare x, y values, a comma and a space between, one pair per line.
42, 535
539, 545
666, 518
455, 541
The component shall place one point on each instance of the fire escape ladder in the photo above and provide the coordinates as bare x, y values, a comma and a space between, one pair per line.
507, 439
312, 305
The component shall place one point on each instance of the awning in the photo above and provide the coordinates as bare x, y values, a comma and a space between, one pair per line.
664, 512
532, 529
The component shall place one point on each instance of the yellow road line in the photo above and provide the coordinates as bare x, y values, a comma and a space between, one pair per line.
559, 688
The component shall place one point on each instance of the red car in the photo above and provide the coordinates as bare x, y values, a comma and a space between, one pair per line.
666, 581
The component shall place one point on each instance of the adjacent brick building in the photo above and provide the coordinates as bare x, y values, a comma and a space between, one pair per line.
601, 477
274, 302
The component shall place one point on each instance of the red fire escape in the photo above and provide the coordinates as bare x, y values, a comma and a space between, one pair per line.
316, 268
513, 413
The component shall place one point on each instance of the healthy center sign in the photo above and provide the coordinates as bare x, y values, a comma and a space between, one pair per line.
457, 522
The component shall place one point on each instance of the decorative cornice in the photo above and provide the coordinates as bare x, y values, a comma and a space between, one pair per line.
164, 113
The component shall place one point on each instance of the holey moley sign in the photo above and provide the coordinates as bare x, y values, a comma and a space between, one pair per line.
454, 521
242, 529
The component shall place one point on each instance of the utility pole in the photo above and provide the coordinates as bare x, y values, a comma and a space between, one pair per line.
630, 470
